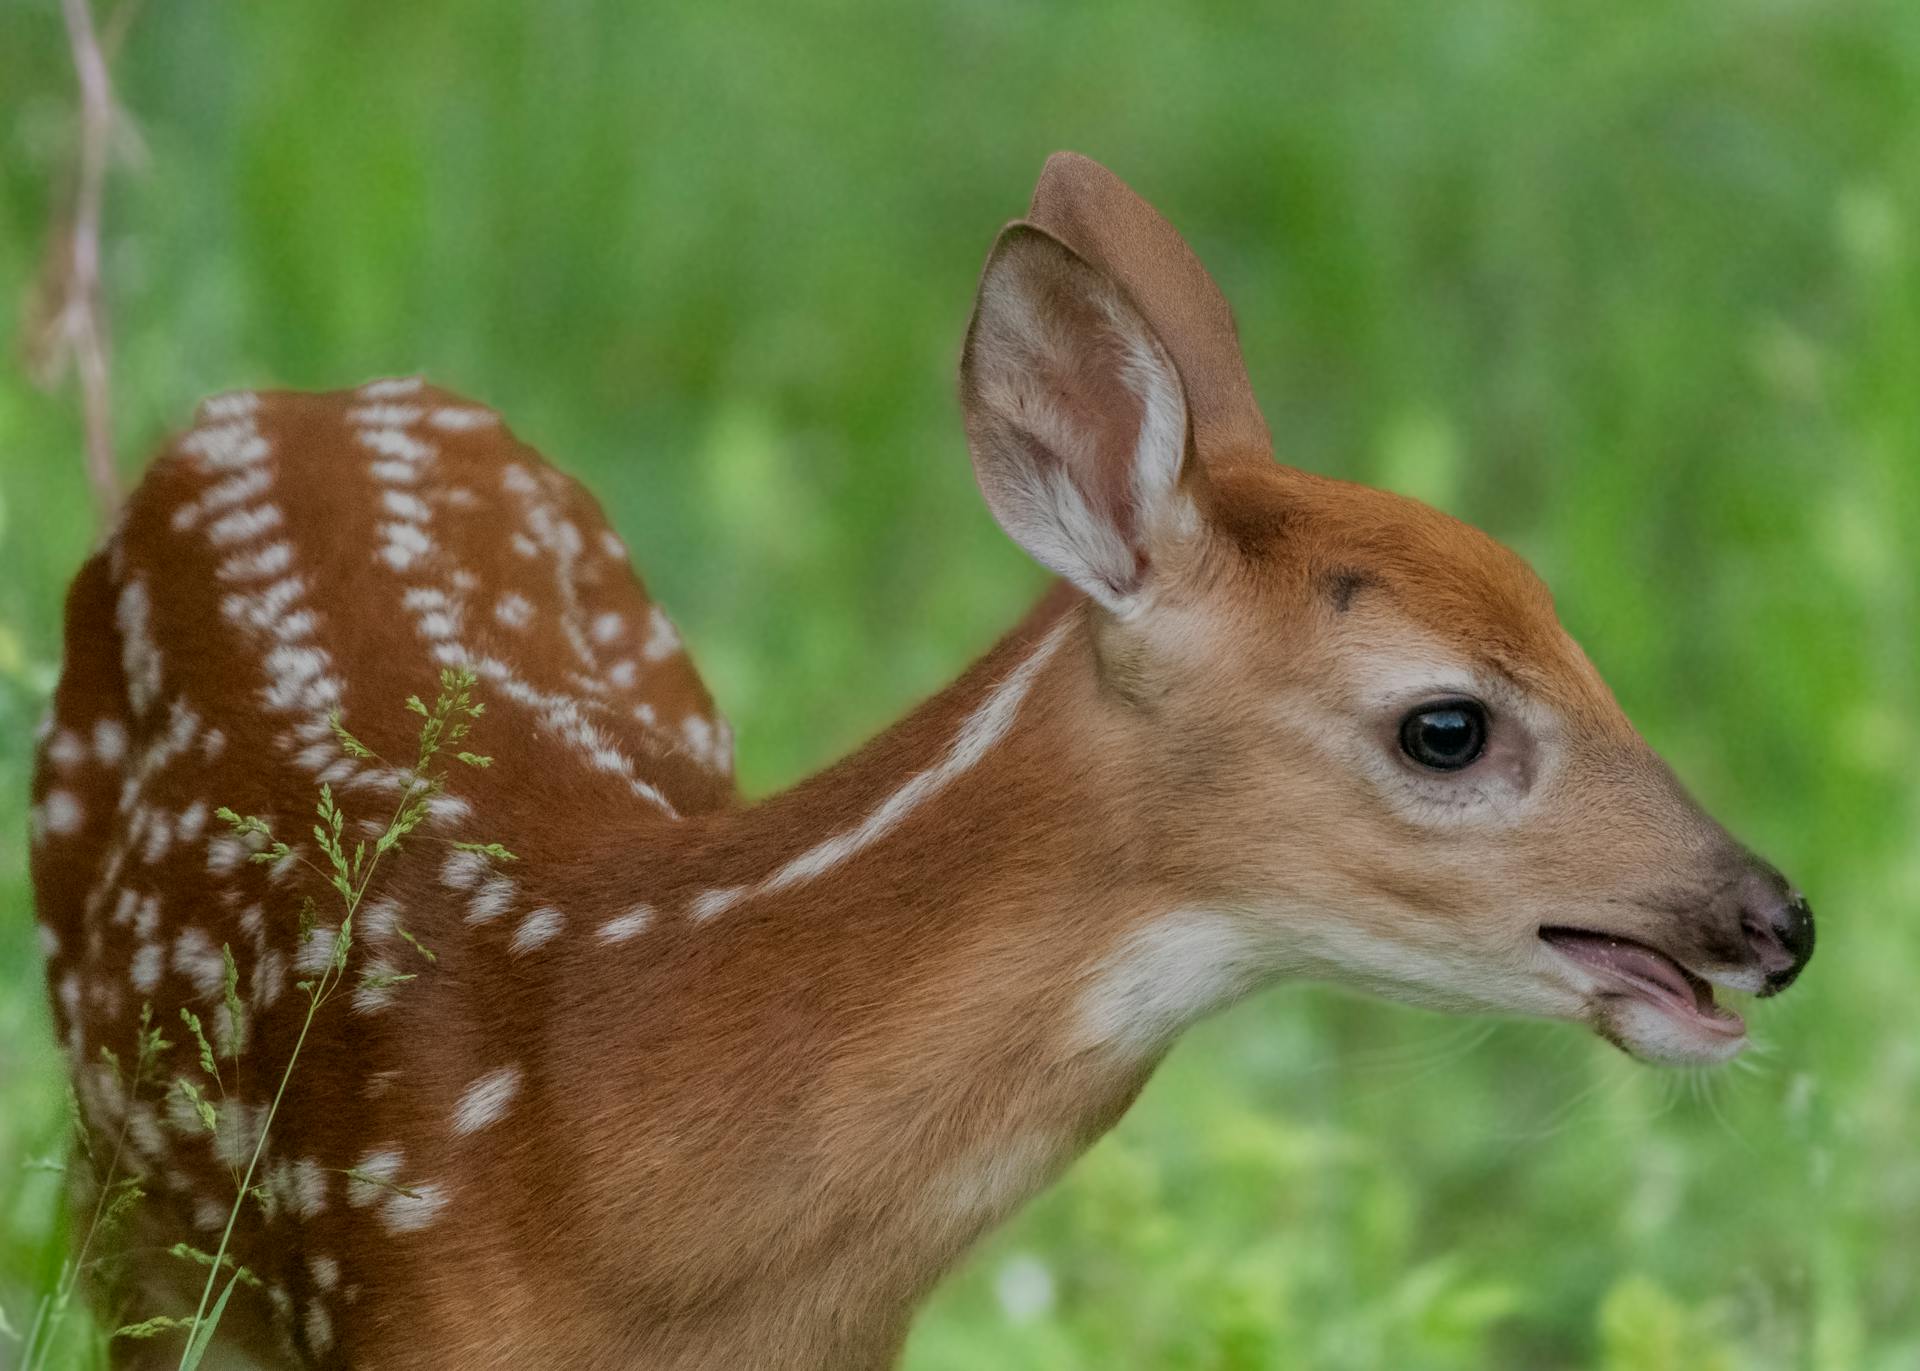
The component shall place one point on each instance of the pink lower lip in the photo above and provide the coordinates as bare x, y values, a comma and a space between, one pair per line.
1640, 972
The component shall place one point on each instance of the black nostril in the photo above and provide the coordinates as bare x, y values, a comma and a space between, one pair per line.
1780, 932
1796, 929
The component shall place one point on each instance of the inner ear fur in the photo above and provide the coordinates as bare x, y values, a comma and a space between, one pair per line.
1108, 224
1076, 415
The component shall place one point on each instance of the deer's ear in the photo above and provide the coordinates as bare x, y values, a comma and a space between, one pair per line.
1075, 416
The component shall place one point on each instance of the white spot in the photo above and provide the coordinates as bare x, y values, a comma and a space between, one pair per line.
212, 744
634, 921
308, 1195
394, 473
376, 987
438, 625
698, 736
611, 545
384, 416
378, 1166
181, 1115
70, 997
377, 920
139, 656
262, 609
109, 741
269, 978
524, 545
391, 387
232, 404
405, 544
483, 1102
192, 822
123, 908
491, 901
157, 829
295, 628
66, 751
319, 1325
391, 442
244, 525
237, 1131
226, 854
663, 639
464, 870
608, 627
235, 490
463, 418
196, 958
537, 929
236, 444
292, 671
419, 598
448, 809
325, 1271
209, 1215
257, 565
316, 953
49, 941
63, 815
148, 962
406, 506
408, 1213
514, 610
623, 674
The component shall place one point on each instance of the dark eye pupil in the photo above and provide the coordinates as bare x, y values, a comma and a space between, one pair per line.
1445, 737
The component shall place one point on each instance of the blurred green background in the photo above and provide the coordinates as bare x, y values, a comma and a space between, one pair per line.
1635, 286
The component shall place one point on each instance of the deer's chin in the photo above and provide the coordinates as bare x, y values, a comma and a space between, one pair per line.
1646, 1002
1656, 1034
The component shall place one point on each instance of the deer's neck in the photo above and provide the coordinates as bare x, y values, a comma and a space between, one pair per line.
901, 997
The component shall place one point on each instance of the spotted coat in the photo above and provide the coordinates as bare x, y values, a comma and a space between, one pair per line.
290, 558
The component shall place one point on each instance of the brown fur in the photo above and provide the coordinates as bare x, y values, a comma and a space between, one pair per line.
756, 1140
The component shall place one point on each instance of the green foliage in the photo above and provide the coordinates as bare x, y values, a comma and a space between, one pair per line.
1636, 287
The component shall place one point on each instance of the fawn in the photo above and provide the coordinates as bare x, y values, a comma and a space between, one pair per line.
696, 1084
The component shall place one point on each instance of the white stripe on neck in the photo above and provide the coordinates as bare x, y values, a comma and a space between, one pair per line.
990, 721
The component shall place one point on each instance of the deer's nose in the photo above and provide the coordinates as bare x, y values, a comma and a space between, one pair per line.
1778, 924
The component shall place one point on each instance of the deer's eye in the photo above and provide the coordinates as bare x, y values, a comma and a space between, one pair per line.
1445, 736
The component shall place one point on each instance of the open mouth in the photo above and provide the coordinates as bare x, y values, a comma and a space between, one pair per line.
1636, 971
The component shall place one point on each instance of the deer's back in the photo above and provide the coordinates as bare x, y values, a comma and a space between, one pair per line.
290, 557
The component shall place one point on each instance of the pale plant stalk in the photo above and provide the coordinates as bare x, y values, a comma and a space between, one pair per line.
82, 316
52, 1306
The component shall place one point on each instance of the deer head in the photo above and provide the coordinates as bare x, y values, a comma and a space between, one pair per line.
1373, 753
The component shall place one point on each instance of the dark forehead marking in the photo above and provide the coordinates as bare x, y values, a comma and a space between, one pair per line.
1343, 583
